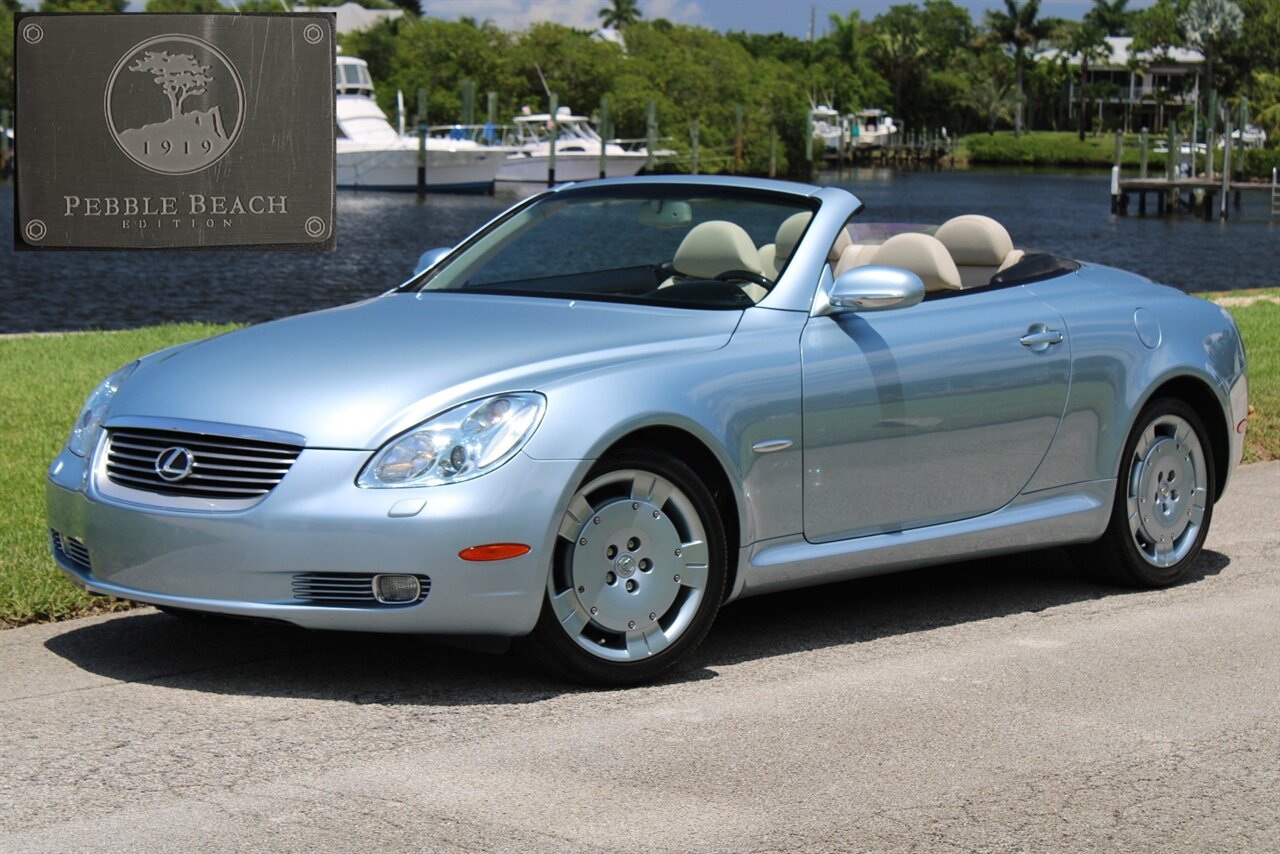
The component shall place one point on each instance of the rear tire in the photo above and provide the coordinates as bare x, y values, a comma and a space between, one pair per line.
638, 572
1163, 503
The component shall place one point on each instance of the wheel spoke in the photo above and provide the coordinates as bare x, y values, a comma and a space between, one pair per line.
1164, 552
1135, 521
563, 604
694, 575
642, 643
575, 517
1198, 501
651, 488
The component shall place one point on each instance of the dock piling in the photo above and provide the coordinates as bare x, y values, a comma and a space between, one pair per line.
604, 136
1226, 169
422, 158
1142, 153
551, 153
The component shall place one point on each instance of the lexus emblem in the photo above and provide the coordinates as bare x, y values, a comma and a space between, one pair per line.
174, 464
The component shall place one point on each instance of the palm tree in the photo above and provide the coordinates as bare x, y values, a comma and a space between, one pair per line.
1088, 41
1020, 27
1207, 24
1113, 18
991, 100
621, 14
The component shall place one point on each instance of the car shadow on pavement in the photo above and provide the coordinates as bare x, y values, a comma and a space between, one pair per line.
915, 601
256, 659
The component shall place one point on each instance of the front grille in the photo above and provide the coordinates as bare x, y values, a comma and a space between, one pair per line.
71, 550
345, 588
220, 466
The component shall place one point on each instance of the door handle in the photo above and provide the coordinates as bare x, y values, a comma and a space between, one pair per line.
1039, 337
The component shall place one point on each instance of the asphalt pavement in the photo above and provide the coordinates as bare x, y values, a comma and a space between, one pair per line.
1001, 705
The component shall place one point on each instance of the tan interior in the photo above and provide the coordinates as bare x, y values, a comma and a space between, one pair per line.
774, 256
976, 247
921, 254
980, 246
714, 247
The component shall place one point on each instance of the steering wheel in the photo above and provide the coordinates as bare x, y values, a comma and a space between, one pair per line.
745, 276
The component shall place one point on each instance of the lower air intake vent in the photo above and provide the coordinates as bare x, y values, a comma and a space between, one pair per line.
346, 588
71, 550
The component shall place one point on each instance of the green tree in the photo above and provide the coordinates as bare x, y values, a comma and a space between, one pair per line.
621, 14
1113, 18
6, 56
947, 31
83, 5
189, 6
1157, 28
992, 100
1021, 28
899, 46
1087, 43
1208, 24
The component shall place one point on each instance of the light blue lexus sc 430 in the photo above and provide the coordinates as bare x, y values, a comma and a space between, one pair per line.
621, 405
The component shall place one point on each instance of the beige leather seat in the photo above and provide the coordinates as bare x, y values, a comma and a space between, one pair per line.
714, 247
980, 247
921, 254
774, 256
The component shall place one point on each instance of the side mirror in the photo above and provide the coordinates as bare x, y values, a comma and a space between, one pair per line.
428, 259
874, 288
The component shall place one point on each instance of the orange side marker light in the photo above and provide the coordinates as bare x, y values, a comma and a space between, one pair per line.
494, 551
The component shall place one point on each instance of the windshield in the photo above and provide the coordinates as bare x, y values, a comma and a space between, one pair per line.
676, 245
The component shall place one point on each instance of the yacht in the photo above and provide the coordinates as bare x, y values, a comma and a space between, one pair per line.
577, 150
827, 127
872, 128
374, 155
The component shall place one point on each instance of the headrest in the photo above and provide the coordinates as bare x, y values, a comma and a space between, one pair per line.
843, 242
975, 240
714, 247
789, 235
923, 255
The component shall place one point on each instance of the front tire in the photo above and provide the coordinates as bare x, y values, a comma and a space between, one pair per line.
1164, 500
638, 572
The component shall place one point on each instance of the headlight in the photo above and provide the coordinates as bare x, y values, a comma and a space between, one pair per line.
464, 442
85, 433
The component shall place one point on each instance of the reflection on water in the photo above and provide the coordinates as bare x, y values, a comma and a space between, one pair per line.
381, 235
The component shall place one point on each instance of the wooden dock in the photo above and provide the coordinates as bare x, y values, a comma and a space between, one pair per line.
1182, 194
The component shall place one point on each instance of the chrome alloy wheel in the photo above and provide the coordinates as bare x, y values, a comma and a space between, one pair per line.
631, 569
1167, 490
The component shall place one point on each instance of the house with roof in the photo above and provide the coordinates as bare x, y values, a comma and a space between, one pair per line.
1135, 89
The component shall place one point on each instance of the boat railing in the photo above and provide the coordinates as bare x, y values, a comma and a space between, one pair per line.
484, 134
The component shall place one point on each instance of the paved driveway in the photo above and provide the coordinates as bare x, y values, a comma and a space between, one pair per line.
997, 705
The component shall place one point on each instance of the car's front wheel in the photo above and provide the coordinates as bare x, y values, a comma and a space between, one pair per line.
638, 573
1164, 500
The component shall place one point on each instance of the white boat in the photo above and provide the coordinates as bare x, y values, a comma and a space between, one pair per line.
374, 155
872, 128
577, 151
827, 126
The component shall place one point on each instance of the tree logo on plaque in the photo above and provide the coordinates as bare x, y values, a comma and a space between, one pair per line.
174, 104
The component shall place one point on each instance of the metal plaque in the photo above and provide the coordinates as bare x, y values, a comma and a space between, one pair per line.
174, 131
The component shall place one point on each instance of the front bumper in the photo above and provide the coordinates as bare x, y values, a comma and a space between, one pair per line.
317, 521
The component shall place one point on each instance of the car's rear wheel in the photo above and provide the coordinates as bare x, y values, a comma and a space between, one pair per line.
638, 573
1164, 500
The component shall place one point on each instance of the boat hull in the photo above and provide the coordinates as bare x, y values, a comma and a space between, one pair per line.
397, 169
569, 167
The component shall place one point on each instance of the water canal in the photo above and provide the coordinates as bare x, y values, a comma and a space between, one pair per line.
380, 236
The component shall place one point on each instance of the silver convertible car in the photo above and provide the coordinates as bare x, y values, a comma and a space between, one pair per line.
621, 405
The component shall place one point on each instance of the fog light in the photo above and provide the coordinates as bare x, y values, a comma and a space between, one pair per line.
393, 589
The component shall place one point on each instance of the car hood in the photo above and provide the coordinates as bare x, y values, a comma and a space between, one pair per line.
353, 376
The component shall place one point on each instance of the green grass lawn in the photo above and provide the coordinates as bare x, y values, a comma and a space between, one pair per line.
44, 381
